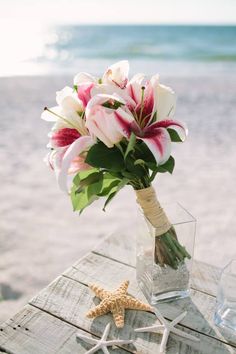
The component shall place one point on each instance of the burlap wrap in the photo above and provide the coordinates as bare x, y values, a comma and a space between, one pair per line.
152, 210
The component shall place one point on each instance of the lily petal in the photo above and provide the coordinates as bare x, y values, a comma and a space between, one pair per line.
75, 149
64, 137
165, 102
125, 122
179, 127
101, 120
134, 87
83, 77
67, 99
159, 144
84, 92
113, 90
117, 74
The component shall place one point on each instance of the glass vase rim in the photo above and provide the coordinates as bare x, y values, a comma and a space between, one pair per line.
189, 219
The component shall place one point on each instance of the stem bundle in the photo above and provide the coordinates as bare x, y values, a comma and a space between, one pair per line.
168, 250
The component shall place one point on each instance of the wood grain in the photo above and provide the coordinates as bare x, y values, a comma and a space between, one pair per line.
200, 306
50, 322
33, 331
70, 300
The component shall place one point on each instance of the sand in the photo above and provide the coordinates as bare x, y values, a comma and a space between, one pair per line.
40, 236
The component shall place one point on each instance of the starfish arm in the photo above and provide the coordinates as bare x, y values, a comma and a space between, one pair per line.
134, 304
123, 287
119, 342
184, 334
99, 291
178, 319
164, 341
99, 310
94, 349
119, 317
149, 329
87, 339
106, 332
159, 315
105, 350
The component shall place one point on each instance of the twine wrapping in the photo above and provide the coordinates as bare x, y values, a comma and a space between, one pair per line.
152, 210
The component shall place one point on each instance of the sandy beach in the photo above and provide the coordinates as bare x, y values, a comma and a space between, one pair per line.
40, 236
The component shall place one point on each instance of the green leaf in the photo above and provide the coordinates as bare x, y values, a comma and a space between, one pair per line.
91, 179
139, 162
82, 175
152, 165
101, 156
143, 152
174, 136
109, 182
131, 144
81, 200
95, 188
114, 191
168, 166
137, 170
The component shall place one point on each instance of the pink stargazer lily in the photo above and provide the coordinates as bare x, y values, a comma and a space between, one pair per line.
147, 113
69, 138
150, 116
101, 121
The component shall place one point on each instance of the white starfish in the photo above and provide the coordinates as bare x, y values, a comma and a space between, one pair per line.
102, 343
166, 327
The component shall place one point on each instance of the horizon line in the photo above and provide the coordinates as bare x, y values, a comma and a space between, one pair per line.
145, 24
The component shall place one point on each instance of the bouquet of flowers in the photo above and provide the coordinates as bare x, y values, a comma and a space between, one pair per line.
110, 132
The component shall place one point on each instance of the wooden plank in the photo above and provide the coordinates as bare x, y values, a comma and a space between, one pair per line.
121, 247
205, 277
33, 331
200, 306
70, 300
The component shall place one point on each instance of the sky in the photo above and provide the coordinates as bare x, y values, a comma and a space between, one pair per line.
119, 11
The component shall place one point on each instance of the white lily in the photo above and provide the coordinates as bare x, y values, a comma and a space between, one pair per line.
117, 74
165, 102
68, 113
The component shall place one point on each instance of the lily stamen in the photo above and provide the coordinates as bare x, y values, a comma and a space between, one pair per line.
142, 105
64, 120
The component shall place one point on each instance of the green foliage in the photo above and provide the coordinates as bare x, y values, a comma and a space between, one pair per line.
142, 152
136, 169
174, 136
113, 168
86, 187
114, 190
131, 144
82, 199
168, 166
101, 156
92, 184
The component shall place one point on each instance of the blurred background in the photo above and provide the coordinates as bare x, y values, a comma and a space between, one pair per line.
191, 44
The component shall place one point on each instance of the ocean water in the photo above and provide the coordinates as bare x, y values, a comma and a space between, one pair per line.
172, 50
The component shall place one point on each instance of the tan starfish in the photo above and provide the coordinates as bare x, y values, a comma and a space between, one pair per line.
115, 302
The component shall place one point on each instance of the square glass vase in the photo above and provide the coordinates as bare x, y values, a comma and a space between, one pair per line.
164, 283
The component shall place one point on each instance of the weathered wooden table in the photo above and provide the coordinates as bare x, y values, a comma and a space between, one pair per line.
49, 323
